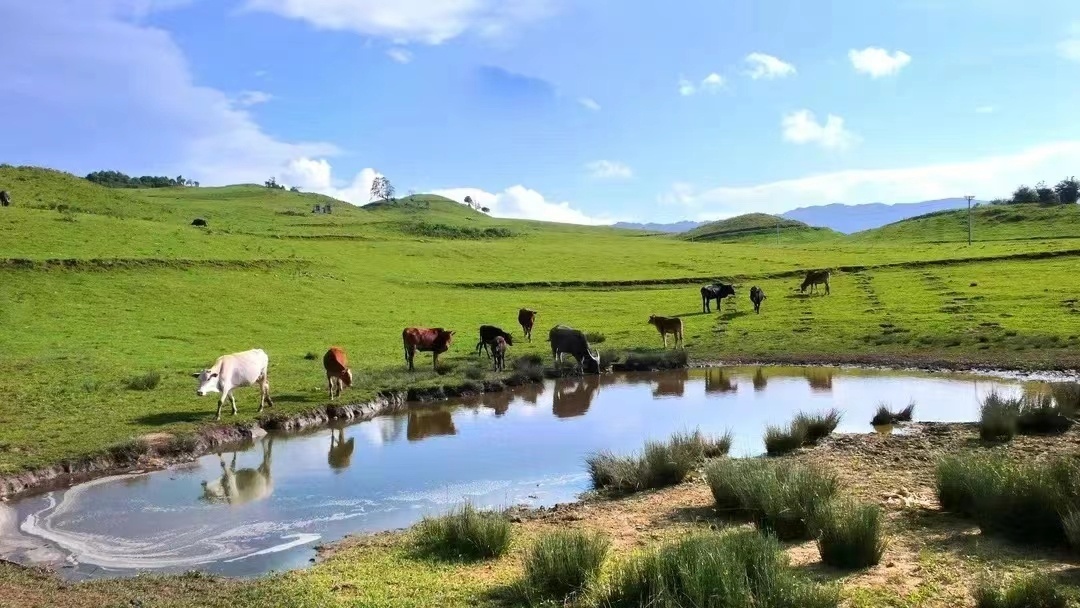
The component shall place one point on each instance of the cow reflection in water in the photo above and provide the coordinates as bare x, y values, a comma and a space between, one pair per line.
573, 396
340, 455
237, 487
500, 402
530, 393
431, 423
759, 380
718, 381
819, 379
671, 384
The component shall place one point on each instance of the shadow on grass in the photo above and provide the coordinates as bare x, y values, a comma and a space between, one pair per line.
735, 314
292, 398
691, 314
163, 418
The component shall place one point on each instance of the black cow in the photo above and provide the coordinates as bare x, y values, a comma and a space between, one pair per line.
488, 333
199, 222
717, 292
567, 340
5, 200
757, 296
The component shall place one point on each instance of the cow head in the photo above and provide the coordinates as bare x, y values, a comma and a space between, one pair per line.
444, 339
727, 290
208, 382
509, 339
591, 362
346, 377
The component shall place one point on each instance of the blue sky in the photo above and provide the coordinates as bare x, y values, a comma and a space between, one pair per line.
568, 110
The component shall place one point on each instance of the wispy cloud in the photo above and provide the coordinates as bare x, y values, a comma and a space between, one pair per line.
400, 55
767, 67
252, 98
802, 127
985, 110
877, 62
711, 83
589, 103
609, 169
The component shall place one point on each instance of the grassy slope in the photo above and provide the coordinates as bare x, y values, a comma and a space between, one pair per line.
270, 274
989, 223
759, 228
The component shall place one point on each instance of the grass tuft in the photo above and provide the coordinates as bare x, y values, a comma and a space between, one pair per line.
850, 535
128, 451
650, 360
1039, 414
145, 382
999, 418
659, 465
310, 356
560, 565
475, 373
884, 415
779, 440
817, 426
1034, 591
464, 533
595, 337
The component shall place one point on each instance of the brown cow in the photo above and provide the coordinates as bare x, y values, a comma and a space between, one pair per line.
668, 325
426, 340
526, 318
338, 373
815, 278
498, 348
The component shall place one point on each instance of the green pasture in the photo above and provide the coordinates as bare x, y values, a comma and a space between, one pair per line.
98, 286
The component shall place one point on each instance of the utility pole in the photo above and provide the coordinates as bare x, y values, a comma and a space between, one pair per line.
969, 197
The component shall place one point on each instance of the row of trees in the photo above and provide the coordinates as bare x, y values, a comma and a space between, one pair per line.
1065, 192
116, 179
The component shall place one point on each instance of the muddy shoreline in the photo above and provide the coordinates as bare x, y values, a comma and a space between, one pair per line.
160, 450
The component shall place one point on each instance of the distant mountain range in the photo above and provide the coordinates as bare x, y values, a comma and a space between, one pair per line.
842, 218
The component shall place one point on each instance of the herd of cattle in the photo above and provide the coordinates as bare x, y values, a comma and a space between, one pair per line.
249, 368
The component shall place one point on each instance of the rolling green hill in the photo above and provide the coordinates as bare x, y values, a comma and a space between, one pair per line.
989, 223
759, 227
101, 286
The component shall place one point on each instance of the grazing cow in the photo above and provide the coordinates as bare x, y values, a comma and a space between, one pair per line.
230, 372
341, 450
426, 340
757, 296
668, 325
5, 199
239, 486
717, 292
499, 348
338, 374
488, 333
526, 318
200, 222
567, 340
814, 278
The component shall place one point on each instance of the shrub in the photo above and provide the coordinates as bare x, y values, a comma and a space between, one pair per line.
595, 337
563, 563
146, 382
779, 441
729, 481
464, 533
644, 361
1066, 396
742, 568
474, 373
128, 451
850, 535
906, 414
1071, 523
999, 418
957, 478
1040, 415
817, 426
527, 368
883, 415
659, 465
1035, 591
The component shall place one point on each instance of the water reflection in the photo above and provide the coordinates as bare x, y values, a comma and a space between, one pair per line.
718, 380
241, 486
760, 382
531, 393
340, 455
429, 423
672, 384
573, 396
884, 429
820, 379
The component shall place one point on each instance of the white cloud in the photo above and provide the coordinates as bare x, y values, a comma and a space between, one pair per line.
589, 103
986, 178
878, 62
609, 169
1069, 49
252, 98
768, 67
400, 55
523, 203
425, 21
316, 175
985, 110
802, 127
686, 88
712, 82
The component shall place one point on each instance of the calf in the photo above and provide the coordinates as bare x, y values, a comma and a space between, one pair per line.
338, 374
668, 325
717, 292
757, 296
526, 318
233, 371
498, 347
816, 277
488, 333
426, 340
567, 340
200, 222
5, 200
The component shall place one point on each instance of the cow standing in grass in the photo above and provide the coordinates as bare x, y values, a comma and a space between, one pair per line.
814, 278
5, 200
498, 349
338, 374
757, 296
717, 292
564, 339
526, 318
230, 372
426, 340
488, 333
668, 325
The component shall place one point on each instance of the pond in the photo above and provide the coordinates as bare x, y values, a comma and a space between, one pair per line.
267, 505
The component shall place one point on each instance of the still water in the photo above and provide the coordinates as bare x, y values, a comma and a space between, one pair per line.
267, 505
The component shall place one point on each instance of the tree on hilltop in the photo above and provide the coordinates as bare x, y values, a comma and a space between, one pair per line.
1068, 190
382, 189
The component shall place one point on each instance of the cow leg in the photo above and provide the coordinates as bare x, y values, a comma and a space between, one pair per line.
330, 382
220, 403
232, 401
435, 361
266, 393
664, 337
827, 290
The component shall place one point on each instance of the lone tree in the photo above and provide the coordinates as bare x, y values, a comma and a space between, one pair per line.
1046, 194
382, 189
1068, 190
272, 183
1025, 194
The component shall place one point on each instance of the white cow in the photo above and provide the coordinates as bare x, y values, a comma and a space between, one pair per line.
240, 486
233, 371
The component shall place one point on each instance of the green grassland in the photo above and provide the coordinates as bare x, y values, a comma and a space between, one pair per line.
99, 285
760, 228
